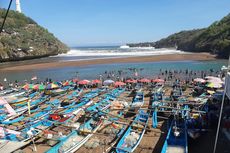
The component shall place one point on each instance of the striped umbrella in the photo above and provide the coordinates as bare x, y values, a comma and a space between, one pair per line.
39, 87
52, 86
28, 86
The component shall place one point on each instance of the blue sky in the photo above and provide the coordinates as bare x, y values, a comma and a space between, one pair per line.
108, 22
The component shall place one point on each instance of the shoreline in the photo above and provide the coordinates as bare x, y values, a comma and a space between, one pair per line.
136, 59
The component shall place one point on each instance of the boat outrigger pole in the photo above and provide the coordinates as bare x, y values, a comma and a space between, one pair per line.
221, 111
4, 20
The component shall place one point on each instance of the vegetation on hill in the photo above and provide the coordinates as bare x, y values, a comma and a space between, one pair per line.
215, 39
23, 38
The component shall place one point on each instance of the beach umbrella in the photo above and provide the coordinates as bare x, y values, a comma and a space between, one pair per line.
199, 80
39, 87
108, 82
75, 80
213, 85
67, 83
34, 78
52, 86
131, 81
96, 81
59, 83
215, 80
118, 83
210, 77
158, 80
144, 80
211, 92
84, 82
28, 86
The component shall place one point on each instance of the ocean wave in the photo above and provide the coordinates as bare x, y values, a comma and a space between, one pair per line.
120, 52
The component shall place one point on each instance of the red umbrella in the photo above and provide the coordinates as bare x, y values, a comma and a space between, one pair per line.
96, 81
118, 83
158, 80
144, 80
84, 82
131, 81
75, 80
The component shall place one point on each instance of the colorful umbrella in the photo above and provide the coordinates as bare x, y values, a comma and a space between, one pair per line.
28, 86
215, 80
199, 80
131, 81
96, 81
67, 83
210, 77
52, 86
108, 82
39, 87
144, 80
118, 83
75, 80
211, 92
84, 82
158, 80
214, 85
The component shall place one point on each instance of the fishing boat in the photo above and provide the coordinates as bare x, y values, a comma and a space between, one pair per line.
176, 140
11, 141
134, 134
56, 92
177, 92
76, 139
138, 101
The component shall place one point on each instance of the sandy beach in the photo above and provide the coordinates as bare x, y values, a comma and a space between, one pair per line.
137, 59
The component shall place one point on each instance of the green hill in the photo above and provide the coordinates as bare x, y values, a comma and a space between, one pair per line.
23, 38
214, 39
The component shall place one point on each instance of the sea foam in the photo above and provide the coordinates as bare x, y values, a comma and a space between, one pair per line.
136, 51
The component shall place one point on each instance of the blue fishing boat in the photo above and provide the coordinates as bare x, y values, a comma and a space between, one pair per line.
76, 139
176, 140
134, 134
138, 100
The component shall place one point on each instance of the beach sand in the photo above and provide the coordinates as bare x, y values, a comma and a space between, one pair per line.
155, 58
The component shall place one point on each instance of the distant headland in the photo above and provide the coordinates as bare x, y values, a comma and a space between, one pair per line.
214, 39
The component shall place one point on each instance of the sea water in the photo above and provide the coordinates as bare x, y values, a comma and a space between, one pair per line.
145, 69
